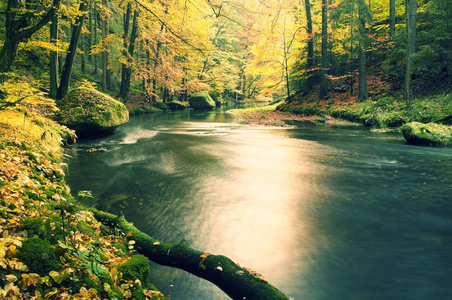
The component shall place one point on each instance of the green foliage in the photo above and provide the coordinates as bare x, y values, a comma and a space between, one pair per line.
431, 68
41, 256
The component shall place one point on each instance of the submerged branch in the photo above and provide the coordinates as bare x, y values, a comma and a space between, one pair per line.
235, 281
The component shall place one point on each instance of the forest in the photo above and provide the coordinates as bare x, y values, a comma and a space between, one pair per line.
161, 50
384, 63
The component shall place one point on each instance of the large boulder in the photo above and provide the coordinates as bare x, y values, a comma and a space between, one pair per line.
201, 100
91, 113
176, 105
430, 134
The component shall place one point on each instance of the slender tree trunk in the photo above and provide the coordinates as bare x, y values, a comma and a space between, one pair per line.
90, 28
362, 58
310, 58
83, 54
96, 14
69, 62
126, 68
109, 87
53, 73
392, 18
104, 48
125, 37
411, 16
351, 66
323, 80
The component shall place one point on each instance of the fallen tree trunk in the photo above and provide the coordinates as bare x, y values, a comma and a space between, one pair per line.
235, 281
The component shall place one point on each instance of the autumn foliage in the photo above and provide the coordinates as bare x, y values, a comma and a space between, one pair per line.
50, 246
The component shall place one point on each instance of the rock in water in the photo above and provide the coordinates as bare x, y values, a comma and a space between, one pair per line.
176, 105
430, 134
91, 113
201, 100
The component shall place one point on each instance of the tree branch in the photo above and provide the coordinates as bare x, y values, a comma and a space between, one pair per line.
169, 28
235, 281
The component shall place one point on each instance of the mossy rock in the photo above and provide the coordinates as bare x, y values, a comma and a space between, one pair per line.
176, 105
430, 134
201, 100
161, 105
38, 255
91, 113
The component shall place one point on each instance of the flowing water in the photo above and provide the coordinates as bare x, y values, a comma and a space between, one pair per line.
322, 212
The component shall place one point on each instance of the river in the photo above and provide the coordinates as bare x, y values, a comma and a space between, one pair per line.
323, 212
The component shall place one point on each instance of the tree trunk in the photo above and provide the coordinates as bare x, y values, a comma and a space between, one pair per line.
72, 51
90, 29
392, 18
104, 53
129, 50
323, 80
411, 15
18, 29
351, 65
362, 59
235, 281
53, 73
83, 54
310, 58
96, 14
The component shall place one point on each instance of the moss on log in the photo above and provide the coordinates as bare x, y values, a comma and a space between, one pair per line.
235, 281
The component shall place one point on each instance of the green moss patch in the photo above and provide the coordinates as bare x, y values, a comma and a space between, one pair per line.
430, 134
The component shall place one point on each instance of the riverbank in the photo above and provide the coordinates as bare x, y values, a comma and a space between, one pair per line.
51, 247
379, 112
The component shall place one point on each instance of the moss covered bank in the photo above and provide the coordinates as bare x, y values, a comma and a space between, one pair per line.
51, 247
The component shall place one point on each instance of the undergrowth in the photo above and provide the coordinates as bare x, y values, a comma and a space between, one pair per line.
51, 247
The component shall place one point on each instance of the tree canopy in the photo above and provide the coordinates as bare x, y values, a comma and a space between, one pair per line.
236, 49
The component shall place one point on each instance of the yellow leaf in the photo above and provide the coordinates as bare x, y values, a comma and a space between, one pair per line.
10, 278
54, 274
51, 293
107, 287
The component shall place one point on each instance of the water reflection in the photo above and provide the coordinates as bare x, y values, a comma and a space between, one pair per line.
322, 213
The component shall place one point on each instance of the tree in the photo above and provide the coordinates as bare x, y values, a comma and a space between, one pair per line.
392, 17
53, 63
324, 93
22, 20
364, 14
72, 50
129, 47
310, 55
411, 16
105, 47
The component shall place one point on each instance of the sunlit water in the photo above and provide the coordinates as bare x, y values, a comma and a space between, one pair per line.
321, 212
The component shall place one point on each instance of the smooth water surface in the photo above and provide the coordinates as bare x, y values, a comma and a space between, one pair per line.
322, 212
